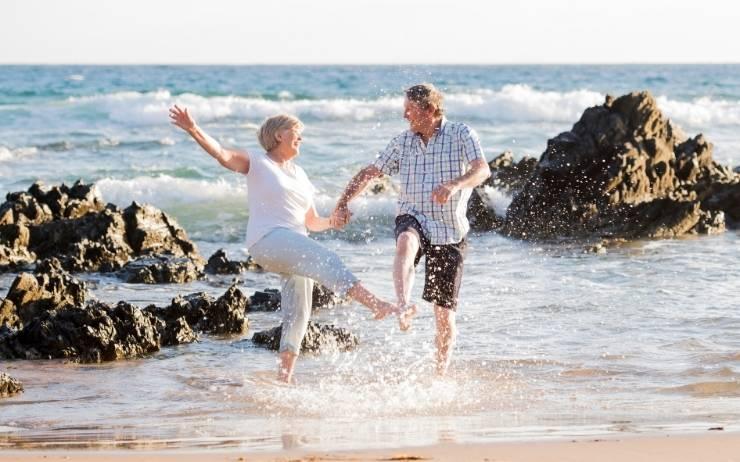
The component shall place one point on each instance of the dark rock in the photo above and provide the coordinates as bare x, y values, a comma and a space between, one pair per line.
157, 269
9, 386
622, 171
506, 176
14, 253
225, 315
219, 263
318, 339
151, 231
74, 225
266, 300
176, 332
325, 298
93, 242
49, 288
269, 299
95, 333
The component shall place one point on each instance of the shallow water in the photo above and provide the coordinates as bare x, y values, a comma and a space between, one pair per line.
553, 341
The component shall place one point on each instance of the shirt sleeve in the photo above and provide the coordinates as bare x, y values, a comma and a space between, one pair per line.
388, 160
471, 144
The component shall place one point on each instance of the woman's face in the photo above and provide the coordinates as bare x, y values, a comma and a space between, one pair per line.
290, 139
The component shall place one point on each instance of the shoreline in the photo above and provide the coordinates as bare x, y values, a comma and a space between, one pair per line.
719, 447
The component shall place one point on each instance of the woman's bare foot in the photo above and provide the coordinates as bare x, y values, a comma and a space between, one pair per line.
383, 310
405, 314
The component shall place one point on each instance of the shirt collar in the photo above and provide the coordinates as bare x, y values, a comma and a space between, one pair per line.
441, 128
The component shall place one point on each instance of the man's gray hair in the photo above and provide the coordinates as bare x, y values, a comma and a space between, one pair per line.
426, 95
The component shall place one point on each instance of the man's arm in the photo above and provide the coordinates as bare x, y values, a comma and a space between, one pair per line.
356, 185
478, 173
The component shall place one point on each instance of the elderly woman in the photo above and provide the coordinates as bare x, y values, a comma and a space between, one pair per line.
281, 211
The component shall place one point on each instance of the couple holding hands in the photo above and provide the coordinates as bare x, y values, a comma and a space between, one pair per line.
439, 162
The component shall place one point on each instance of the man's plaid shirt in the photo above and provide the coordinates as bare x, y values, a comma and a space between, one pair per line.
446, 156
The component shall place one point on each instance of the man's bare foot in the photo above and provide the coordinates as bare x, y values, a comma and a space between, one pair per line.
405, 314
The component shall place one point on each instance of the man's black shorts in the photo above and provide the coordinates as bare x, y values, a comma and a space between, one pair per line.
444, 265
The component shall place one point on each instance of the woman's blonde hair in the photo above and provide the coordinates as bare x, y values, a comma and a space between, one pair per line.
272, 125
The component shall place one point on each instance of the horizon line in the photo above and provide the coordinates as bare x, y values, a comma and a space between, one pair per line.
359, 64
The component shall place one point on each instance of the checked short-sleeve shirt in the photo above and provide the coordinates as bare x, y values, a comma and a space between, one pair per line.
446, 156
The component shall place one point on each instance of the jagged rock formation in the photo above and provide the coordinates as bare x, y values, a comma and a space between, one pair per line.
45, 315
74, 225
624, 171
318, 339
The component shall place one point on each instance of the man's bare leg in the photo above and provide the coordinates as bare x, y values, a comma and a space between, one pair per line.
445, 338
407, 245
287, 364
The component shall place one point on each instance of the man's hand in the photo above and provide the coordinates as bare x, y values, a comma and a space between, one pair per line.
340, 216
443, 192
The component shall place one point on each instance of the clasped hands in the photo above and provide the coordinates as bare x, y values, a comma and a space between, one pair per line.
341, 214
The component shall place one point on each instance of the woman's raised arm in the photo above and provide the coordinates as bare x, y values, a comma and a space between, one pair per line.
232, 159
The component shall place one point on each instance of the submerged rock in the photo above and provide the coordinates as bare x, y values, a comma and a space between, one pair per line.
9, 386
625, 171
265, 300
318, 339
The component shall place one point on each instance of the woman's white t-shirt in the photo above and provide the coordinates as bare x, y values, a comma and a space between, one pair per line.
278, 197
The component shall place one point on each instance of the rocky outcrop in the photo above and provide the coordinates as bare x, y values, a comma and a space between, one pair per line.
219, 263
74, 225
94, 333
45, 315
49, 288
9, 386
318, 339
225, 315
623, 171
158, 269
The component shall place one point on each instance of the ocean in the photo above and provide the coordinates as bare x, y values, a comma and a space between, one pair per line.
553, 342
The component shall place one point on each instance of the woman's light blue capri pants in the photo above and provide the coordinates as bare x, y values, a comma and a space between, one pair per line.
299, 260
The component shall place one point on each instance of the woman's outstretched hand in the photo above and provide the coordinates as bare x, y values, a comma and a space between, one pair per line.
181, 118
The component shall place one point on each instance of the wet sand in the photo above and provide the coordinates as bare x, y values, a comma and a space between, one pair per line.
714, 447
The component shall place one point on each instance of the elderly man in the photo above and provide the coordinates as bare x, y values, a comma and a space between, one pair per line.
439, 162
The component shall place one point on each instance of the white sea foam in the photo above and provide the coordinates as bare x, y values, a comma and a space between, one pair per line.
10, 154
165, 190
701, 113
496, 199
510, 103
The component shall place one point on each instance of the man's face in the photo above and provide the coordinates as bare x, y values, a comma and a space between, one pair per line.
418, 117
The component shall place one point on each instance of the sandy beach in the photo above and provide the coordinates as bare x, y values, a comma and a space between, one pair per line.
655, 448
